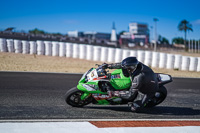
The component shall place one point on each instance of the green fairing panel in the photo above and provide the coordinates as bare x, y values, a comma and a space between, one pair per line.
82, 80
103, 102
119, 81
81, 87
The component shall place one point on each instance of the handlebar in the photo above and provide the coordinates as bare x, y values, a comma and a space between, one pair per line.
104, 65
101, 70
97, 65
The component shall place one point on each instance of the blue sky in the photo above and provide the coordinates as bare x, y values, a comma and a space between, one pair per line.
90, 15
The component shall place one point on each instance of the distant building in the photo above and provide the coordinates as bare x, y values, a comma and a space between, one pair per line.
96, 35
89, 35
138, 34
138, 28
75, 33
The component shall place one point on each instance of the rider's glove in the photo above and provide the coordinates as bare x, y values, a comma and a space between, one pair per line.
105, 65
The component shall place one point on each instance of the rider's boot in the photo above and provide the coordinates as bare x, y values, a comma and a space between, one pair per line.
138, 102
135, 107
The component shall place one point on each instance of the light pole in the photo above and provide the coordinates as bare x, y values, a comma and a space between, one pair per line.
155, 45
151, 36
199, 47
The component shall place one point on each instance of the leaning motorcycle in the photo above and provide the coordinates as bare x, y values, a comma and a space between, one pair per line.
93, 86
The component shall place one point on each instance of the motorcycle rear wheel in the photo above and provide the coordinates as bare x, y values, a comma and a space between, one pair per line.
73, 98
157, 100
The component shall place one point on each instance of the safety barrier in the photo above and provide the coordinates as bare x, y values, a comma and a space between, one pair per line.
185, 63
140, 55
62, 49
18, 46
163, 60
3, 47
25, 47
40, 47
193, 64
48, 48
89, 51
97, 53
55, 48
10, 45
104, 54
155, 59
133, 53
82, 52
111, 54
198, 65
118, 55
177, 62
69, 49
126, 53
33, 47
148, 58
170, 61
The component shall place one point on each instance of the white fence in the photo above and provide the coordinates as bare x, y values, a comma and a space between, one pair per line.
194, 46
97, 53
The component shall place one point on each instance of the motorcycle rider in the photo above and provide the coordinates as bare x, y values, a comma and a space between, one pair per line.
144, 82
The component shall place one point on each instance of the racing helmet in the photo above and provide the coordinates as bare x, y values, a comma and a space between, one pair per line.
130, 64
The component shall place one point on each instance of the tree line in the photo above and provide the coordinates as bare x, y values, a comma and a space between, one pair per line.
184, 26
37, 31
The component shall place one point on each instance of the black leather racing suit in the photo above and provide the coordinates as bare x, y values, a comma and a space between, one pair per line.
144, 84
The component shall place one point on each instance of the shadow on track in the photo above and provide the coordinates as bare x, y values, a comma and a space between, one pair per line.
178, 111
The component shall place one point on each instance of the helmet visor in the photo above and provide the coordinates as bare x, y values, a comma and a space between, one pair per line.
130, 67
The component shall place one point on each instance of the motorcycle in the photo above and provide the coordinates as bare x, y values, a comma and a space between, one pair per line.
94, 84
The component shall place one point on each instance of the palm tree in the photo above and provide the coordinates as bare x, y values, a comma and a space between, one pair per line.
185, 26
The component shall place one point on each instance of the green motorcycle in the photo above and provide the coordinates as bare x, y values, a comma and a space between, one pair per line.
93, 86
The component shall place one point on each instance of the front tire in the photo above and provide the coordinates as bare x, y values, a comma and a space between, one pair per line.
162, 92
73, 98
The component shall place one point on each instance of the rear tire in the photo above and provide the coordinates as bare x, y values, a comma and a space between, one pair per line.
157, 100
73, 98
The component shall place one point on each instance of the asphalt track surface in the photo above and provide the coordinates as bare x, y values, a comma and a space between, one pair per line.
41, 96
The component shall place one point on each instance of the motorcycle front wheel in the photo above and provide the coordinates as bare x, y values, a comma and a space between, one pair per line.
73, 98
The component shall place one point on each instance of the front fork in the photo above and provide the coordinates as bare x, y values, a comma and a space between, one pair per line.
85, 95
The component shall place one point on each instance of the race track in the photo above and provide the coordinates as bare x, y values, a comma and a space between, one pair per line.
25, 95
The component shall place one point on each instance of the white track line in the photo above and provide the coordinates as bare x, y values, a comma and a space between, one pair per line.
86, 127
87, 120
